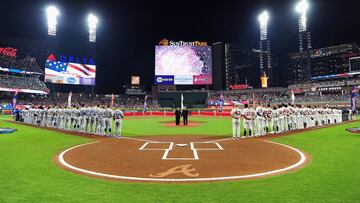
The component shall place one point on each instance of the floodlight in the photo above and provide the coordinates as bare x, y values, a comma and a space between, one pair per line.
302, 7
92, 22
52, 14
263, 19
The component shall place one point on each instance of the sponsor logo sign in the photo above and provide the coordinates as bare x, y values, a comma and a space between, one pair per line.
164, 79
202, 80
166, 42
8, 51
71, 80
183, 80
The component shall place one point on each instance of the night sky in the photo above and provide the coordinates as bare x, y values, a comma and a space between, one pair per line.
129, 30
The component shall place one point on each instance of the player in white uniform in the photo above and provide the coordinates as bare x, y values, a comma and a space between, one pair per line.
260, 121
281, 124
236, 120
276, 119
269, 119
118, 116
249, 116
292, 117
286, 113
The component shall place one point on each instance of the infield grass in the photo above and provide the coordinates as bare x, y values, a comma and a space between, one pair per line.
28, 173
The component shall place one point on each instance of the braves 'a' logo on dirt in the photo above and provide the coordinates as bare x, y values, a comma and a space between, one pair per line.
184, 169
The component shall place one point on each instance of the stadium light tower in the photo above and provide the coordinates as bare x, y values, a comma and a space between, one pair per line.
92, 21
52, 14
265, 50
302, 8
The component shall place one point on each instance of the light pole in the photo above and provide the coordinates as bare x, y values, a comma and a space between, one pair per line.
302, 7
304, 38
265, 50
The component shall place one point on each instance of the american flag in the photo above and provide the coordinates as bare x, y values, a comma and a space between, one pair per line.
353, 98
145, 104
69, 99
14, 99
58, 68
112, 100
221, 102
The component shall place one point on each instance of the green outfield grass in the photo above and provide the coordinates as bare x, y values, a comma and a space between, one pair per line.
28, 174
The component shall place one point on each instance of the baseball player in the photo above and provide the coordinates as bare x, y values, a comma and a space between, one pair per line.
260, 121
93, 125
118, 116
269, 121
281, 117
249, 115
108, 115
236, 120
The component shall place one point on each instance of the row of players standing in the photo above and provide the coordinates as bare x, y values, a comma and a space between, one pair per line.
96, 120
261, 121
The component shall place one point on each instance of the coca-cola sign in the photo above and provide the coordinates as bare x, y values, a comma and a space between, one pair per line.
8, 51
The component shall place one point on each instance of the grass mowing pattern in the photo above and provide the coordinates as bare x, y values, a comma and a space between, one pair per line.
27, 173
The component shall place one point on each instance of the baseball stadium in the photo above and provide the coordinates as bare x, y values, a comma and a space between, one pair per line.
202, 121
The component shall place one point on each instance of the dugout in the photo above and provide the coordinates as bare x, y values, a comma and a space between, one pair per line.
192, 99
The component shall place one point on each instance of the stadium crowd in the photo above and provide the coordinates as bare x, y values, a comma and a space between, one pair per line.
27, 64
22, 82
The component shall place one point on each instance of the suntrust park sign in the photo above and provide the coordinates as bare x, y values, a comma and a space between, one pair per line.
166, 42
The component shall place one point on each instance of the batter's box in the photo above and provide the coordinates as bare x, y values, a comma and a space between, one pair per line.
157, 146
206, 146
171, 148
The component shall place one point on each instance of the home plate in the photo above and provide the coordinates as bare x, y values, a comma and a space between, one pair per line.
181, 145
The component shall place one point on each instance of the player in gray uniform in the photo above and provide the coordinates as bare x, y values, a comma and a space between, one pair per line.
55, 118
67, 118
118, 116
49, 116
82, 119
99, 121
108, 115
23, 115
77, 117
87, 119
92, 127
41, 116
61, 117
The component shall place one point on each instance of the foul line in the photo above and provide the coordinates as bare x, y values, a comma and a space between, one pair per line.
299, 163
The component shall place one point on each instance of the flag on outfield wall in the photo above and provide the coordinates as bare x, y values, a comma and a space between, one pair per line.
145, 103
221, 102
292, 97
14, 99
353, 98
69, 99
112, 100
253, 99
182, 101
